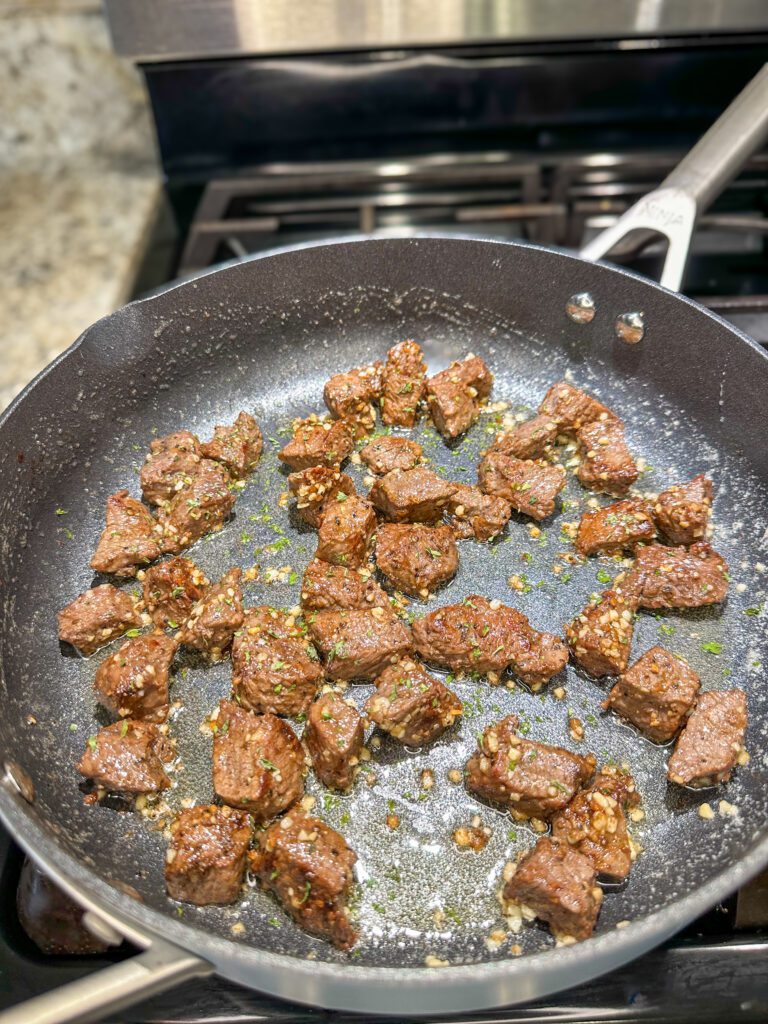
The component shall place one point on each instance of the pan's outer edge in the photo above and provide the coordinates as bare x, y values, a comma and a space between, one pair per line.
362, 988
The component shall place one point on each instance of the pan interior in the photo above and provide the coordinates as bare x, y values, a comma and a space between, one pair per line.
193, 358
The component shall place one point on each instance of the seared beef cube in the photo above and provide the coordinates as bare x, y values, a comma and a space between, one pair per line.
412, 706
127, 757
678, 577
178, 441
238, 447
682, 512
571, 408
313, 488
171, 590
606, 462
258, 763
358, 643
309, 867
201, 508
264, 620
454, 395
600, 637
274, 668
215, 617
712, 741
335, 586
530, 487
415, 495
97, 617
614, 528
656, 694
207, 856
528, 441
594, 823
318, 443
478, 515
416, 559
334, 738
133, 682
384, 454
534, 656
172, 463
403, 384
350, 396
128, 539
558, 884
346, 527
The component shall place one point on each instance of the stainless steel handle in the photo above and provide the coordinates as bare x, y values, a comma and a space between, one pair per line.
672, 209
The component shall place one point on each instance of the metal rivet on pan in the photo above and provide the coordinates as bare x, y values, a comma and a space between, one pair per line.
630, 327
17, 778
101, 929
581, 308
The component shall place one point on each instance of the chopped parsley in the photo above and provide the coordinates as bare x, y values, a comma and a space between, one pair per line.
712, 647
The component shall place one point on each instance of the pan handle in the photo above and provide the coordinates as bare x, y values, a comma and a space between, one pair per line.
672, 209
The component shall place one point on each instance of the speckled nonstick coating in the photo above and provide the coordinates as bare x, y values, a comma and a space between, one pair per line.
264, 336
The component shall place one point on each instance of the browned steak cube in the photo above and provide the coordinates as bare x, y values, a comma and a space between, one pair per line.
127, 757
346, 527
678, 577
358, 643
411, 705
656, 694
534, 656
594, 823
712, 741
128, 539
403, 384
350, 396
200, 508
238, 447
335, 586
454, 395
530, 487
571, 408
133, 682
97, 617
617, 527
178, 441
558, 884
334, 738
416, 559
215, 617
207, 855
474, 514
415, 495
606, 462
600, 637
172, 463
316, 486
384, 454
532, 780
271, 622
171, 590
682, 512
258, 763
318, 443
309, 867
530, 440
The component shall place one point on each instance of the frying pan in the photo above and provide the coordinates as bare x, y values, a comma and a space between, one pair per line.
264, 335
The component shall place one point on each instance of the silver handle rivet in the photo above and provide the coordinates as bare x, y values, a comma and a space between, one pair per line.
581, 308
630, 327
18, 779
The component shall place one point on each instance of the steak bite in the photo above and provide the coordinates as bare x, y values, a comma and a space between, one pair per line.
558, 884
335, 586
691, 577
334, 737
412, 706
656, 695
358, 643
531, 780
350, 396
682, 512
403, 384
346, 527
606, 462
238, 447
309, 867
615, 528
207, 855
474, 514
530, 440
415, 495
454, 395
97, 617
571, 408
313, 488
128, 539
133, 682
416, 559
127, 757
258, 763
318, 443
215, 617
200, 508
600, 637
712, 742
529, 487
171, 590
170, 466
384, 454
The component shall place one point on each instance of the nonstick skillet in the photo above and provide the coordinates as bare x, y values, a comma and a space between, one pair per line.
264, 336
